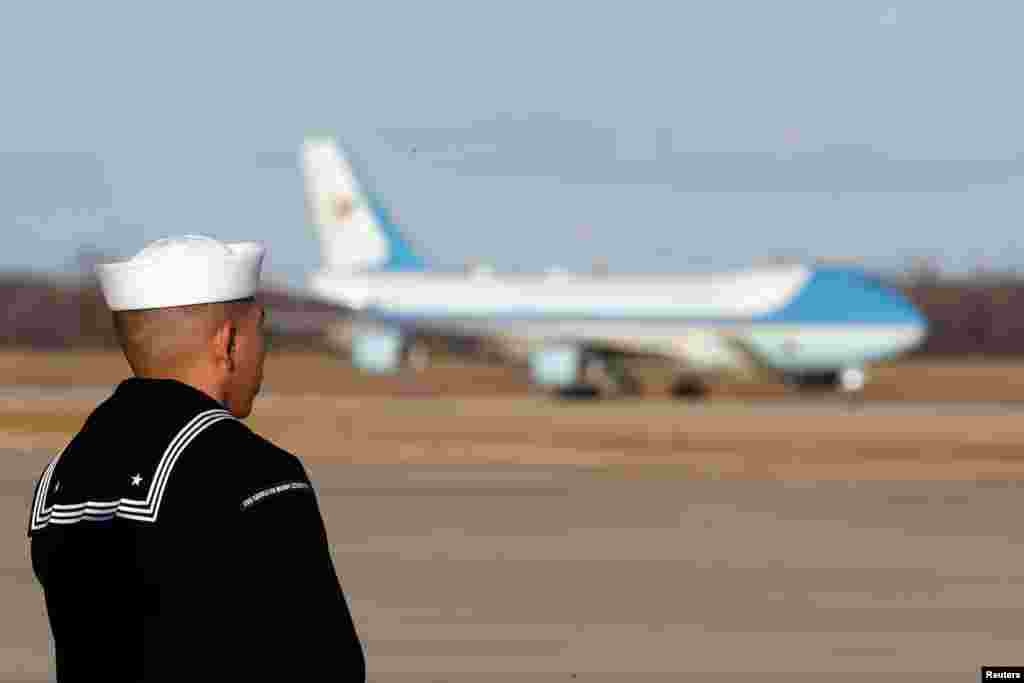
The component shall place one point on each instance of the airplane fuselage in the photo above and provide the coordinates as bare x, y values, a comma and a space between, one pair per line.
787, 317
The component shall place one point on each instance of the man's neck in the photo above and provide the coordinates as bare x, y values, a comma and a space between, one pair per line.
196, 380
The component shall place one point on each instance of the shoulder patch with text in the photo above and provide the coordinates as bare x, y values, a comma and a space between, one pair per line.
273, 491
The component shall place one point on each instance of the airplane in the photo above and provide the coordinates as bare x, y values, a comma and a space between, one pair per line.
813, 326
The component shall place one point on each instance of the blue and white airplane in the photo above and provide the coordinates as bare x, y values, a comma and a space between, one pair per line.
810, 325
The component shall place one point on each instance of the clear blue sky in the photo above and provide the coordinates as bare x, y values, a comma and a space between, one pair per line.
506, 131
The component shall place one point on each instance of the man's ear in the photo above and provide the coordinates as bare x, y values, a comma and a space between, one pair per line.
224, 344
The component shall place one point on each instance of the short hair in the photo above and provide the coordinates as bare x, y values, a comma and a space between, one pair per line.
163, 340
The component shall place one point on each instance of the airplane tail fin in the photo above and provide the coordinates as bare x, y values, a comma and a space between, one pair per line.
356, 233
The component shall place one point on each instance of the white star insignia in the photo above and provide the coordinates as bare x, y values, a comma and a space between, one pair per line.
137, 480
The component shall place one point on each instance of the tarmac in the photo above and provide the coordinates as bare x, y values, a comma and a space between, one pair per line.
501, 573
85, 397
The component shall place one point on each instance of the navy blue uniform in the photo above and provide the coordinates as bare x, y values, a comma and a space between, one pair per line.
173, 543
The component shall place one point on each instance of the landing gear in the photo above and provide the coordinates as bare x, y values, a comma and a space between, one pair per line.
690, 388
418, 356
847, 382
602, 374
852, 380
578, 392
625, 383
851, 383
814, 382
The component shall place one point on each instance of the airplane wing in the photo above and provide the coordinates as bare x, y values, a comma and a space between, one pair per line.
701, 351
754, 365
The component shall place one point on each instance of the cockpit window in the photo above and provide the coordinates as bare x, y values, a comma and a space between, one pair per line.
873, 281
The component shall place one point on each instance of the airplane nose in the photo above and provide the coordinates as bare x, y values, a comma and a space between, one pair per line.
913, 322
916, 334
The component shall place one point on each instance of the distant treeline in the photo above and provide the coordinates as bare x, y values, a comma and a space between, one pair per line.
967, 317
40, 314
972, 318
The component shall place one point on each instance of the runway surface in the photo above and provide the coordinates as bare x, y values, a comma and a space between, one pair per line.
18, 394
755, 439
539, 573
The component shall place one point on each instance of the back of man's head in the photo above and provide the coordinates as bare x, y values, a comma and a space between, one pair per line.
168, 342
184, 308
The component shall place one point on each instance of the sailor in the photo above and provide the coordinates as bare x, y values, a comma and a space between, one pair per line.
172, 543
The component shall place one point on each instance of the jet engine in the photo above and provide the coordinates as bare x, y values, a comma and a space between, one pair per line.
378, 351
556, 366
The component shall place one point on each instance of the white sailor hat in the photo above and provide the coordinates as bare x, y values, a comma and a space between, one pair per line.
181, 271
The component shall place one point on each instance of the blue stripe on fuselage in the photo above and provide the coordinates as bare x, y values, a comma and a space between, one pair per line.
845, 296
